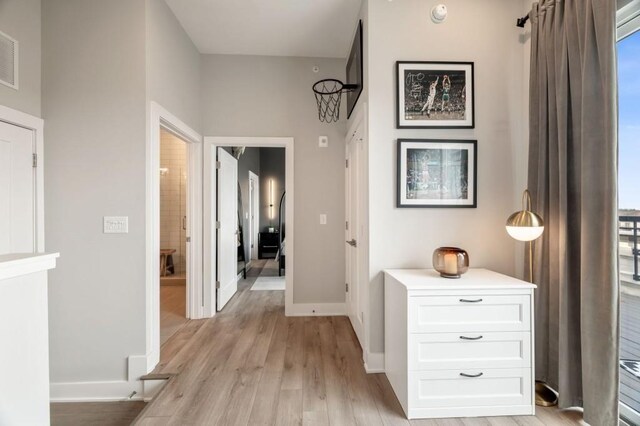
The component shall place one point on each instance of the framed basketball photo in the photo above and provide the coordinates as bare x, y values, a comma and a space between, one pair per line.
435, 95
437, 173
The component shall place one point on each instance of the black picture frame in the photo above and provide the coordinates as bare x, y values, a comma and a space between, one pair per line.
354, 71
410, 175
414, 94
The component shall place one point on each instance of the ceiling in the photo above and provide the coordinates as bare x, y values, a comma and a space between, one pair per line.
317, 28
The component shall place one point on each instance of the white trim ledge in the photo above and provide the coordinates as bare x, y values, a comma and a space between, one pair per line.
316, 309
15, 265
374, 362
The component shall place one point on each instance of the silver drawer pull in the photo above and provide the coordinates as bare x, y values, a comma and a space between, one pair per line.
470, 375
470, 301
470, 338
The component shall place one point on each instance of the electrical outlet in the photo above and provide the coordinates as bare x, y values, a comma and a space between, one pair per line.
323, 141
323, 219
116, 224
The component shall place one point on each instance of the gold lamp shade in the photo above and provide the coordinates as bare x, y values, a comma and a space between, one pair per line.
525, 225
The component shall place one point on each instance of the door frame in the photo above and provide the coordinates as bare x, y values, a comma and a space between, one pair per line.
159, 117
254, 209
373, 363
353, 267
210, 145
36, 125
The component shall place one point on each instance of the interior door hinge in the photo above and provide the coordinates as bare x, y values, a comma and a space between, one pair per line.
347, 163
217, 284
346, 225
217, 225
218, 165
35, 160
347, 287
188, 239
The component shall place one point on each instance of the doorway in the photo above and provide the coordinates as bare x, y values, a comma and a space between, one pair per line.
222, 232
196, 304
240, 171
174, 254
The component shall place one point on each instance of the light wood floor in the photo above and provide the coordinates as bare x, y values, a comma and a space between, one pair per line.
173, 299
252, 365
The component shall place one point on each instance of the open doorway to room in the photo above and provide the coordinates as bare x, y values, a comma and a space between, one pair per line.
258, 173
252, 216
173, 234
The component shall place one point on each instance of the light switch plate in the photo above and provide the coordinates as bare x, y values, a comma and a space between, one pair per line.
323, 141
116, 225
323, 219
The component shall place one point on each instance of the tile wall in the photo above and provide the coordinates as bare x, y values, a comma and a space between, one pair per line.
173, 186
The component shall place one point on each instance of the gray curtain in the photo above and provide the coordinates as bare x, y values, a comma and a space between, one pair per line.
573, 181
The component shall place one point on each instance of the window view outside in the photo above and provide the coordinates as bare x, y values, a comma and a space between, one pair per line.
629, 211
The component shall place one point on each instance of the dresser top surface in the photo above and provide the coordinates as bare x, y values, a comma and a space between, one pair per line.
474, 278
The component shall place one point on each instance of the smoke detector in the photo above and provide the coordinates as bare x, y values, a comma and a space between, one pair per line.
439, 13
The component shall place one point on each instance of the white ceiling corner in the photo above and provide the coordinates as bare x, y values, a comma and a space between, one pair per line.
313, 28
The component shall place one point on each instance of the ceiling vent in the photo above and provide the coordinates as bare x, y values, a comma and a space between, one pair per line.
8, 61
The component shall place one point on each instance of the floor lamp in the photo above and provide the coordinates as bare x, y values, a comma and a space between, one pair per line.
525, 225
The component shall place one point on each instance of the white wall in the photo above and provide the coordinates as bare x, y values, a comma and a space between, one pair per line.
272, 96
20, 19
94, 95
173, 65
103, 63
485, 33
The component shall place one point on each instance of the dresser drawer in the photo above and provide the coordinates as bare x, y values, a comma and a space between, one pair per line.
469, 313
434, 351
448, 388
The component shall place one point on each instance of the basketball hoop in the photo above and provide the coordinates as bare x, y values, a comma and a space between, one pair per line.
328, 98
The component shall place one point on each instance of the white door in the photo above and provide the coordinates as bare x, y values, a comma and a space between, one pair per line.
227, 269
254, 205
17, 190
353, 234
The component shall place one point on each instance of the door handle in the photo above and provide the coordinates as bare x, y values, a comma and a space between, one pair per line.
471, 338
471, 301
352, 243
470, 375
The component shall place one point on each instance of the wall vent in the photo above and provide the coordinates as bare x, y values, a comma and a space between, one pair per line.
8, 61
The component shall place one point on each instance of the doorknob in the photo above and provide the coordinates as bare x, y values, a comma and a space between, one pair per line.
352, 243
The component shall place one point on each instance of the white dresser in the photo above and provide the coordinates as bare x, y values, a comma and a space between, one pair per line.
459, 347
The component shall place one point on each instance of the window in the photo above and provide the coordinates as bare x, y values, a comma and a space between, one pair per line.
629, 207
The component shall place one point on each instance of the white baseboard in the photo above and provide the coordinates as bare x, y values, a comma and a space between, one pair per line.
374, 362
316, 309
96, 391
116, 390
